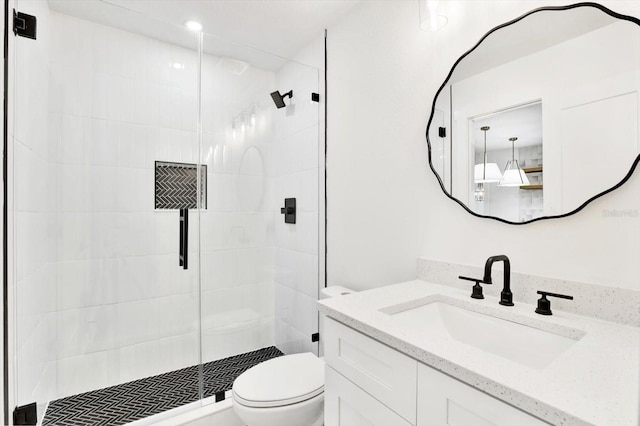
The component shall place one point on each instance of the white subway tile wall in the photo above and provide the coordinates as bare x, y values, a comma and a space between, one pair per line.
237, 240
116, 306
100, 297
296, 174
35, 201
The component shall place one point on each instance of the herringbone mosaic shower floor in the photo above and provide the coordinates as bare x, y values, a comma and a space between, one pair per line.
121, 404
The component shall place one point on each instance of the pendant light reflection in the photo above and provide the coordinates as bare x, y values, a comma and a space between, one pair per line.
478, 194
432, 17
513, 175
486, 172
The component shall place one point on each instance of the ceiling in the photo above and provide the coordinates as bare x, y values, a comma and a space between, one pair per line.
280, 27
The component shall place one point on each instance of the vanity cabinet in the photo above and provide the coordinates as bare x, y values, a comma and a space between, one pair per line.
369, 383
384, 373
443, 400
346, 404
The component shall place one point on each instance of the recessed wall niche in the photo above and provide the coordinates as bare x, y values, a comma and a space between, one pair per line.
176, 186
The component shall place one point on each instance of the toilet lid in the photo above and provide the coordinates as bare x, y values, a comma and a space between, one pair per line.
280, 381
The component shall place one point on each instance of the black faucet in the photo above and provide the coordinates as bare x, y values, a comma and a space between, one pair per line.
506, 297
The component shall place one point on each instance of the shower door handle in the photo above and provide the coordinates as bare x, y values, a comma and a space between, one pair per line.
184, 237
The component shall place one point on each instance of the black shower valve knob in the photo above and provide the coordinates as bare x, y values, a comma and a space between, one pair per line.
289, 210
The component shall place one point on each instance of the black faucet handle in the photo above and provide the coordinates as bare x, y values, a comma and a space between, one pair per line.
544, 304
477, 280
561, 296
476, 293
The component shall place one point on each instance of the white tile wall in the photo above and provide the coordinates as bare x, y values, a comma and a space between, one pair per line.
34, 203
100, 298
237, 229
297, 171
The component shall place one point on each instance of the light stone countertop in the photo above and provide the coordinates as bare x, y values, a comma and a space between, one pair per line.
594, 382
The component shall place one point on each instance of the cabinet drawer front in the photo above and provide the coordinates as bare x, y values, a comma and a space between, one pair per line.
347, 405
444, 401
383, 372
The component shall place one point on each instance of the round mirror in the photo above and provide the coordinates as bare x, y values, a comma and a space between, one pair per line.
541, 116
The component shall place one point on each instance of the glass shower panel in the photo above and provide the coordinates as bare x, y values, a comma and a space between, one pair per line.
259, 274
105, 120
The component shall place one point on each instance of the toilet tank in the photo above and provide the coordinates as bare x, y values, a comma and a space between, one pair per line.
334, 291
326, 293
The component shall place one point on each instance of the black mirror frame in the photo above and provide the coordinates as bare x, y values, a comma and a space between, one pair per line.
506, 24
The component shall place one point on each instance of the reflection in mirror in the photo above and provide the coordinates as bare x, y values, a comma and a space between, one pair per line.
541, 116
515, 195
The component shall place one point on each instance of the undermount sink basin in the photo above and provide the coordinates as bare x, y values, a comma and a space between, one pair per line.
520, 343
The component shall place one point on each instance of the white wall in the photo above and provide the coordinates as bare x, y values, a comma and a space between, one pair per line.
385, 207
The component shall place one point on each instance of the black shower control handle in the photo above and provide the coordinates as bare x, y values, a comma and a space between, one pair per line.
476, 292
289, 210
544, 304
184, 238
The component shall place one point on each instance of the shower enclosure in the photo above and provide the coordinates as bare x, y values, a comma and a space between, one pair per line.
149, 263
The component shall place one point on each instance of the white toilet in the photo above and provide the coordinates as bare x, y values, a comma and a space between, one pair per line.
284, 391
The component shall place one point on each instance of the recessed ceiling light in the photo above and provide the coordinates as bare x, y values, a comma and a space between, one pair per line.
193, 26
178, 65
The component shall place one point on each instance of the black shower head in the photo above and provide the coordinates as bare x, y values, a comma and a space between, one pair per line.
278, 99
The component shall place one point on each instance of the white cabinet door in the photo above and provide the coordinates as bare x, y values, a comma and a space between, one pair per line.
444, 401
388, 375
345, 404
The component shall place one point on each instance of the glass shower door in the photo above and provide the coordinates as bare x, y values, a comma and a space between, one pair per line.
105, 157
259, 274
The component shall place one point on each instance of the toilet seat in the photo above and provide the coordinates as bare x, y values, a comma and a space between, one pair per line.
281, 381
